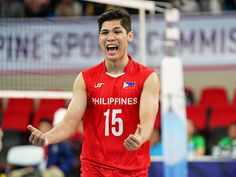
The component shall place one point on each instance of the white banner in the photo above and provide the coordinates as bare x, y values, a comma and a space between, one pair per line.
68, 45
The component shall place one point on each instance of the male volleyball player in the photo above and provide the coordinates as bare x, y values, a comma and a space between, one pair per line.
118, 101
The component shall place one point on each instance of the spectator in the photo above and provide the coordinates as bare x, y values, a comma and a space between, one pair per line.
230, 140
215, 6
58, 157
89, 9
227, 146
229, 5
188, 6
155, 142
68, 8
203, 5
37, 8
196, 143
12, 8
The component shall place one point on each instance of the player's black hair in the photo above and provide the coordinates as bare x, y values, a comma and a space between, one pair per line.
116, 14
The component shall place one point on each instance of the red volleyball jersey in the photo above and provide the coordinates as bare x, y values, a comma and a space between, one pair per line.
112, 114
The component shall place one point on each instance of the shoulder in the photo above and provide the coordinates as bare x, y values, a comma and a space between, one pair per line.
198, 138
93, 69
144, 73
152, 82
79, 82
141, 67
198, 141
87, 74
225, 140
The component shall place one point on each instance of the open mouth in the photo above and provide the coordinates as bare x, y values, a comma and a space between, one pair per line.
112, 48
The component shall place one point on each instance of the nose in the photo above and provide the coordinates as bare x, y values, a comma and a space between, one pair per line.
110, 37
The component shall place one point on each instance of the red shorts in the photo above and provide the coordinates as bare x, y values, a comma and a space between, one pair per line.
92, 170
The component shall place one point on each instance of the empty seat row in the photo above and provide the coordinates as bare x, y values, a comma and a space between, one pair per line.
211, 96
214, 110
20, 112
221, 116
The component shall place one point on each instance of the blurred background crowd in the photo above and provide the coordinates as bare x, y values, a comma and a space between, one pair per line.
63, 8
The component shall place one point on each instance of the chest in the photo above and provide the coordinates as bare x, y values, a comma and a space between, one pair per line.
106, 90
123, 86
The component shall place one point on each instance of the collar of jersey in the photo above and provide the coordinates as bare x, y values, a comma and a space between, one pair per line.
127, 67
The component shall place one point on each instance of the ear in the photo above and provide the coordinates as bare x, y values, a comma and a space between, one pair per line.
130, 36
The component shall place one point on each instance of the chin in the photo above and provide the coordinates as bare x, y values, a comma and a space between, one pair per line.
112, 57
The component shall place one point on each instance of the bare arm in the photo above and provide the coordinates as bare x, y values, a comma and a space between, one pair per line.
148, 109
149, 106
70, 122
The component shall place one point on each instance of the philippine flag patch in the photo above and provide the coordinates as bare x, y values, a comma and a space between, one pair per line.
129, 85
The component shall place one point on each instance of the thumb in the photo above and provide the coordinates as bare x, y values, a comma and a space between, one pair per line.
138, 130
31, 128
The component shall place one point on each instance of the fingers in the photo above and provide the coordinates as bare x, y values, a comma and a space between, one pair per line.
132, 143
37, 137
133, 139
31, 128
128, 146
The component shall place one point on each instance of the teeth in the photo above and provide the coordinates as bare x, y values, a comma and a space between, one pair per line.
111, 46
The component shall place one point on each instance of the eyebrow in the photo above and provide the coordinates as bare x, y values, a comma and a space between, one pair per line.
118, 27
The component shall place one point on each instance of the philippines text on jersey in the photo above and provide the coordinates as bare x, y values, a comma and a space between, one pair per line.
115, 101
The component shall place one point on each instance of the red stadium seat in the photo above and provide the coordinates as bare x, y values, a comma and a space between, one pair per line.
51, 104
222, 116
16, 120
197, 114
234, 98
46, 109
20, 104
212, 96
17, 114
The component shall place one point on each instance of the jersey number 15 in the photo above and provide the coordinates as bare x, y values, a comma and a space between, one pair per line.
114, 121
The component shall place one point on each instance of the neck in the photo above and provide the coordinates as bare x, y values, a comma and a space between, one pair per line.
117, 66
